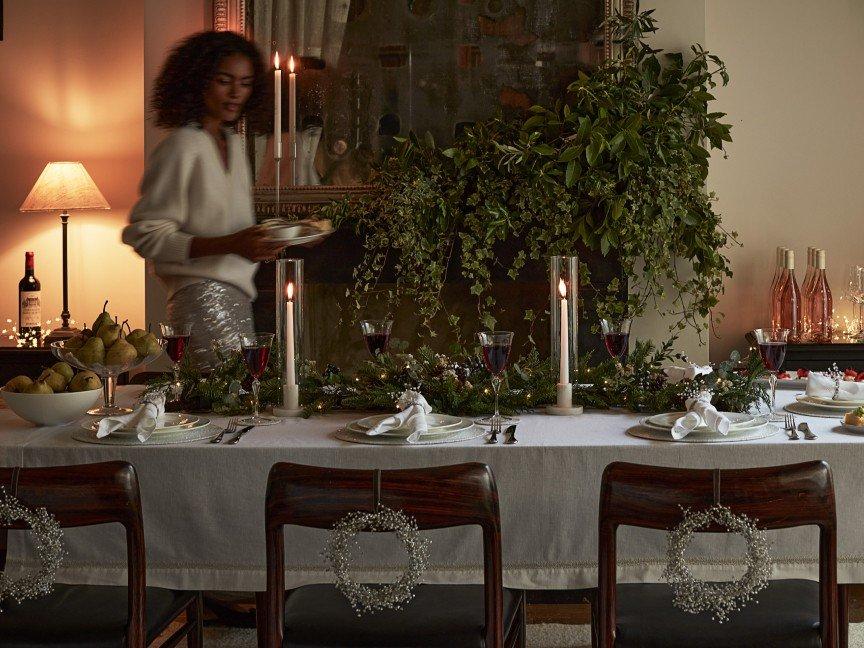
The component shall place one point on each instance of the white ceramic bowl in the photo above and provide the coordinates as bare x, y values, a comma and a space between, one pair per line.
51, 409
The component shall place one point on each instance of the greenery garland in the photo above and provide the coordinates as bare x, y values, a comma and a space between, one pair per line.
460, 384
618, 163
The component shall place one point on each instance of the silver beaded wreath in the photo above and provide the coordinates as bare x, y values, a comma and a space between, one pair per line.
372, 598
47, 540
693, 595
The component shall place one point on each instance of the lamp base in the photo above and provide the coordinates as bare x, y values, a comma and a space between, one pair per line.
59, 334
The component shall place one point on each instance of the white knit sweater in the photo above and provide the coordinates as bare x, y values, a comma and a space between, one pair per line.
186, 192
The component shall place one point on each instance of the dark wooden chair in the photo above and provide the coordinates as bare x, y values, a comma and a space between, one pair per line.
93, 615
790, 613
440, 615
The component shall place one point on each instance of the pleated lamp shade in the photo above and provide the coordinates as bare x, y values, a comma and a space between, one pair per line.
63, 186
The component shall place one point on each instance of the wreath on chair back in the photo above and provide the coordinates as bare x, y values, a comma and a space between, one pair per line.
47, 540
694, 595
372, 598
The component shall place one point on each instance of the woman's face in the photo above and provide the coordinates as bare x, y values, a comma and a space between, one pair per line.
230, 88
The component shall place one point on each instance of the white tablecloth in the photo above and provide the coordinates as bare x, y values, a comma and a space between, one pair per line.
204, 504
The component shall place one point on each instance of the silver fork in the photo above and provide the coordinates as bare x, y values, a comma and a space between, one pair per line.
495, 430
230, 428
790, 427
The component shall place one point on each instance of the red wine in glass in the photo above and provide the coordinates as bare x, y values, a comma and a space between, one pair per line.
495, 357
175, 346
772, 354
616, 343
256, 360
377, 343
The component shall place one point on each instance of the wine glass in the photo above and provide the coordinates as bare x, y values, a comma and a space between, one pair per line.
616, 336
256, 352
856, 295
377, 335
496, 351
772, 350
175, 339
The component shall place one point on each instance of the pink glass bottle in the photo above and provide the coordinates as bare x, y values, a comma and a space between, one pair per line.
774, 291
806, 285
790, 299
820, 304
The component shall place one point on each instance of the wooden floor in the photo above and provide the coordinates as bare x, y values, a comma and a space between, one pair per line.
559, 612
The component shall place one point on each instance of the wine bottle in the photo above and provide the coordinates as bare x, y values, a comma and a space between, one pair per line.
774, 292
790, 299
29, 304
806, 285
820, 304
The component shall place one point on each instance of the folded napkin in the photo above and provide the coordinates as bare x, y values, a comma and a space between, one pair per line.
700, 411
413, 416
677, 374
146, 417
823, 386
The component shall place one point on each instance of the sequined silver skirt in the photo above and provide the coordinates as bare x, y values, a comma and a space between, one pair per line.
219, 315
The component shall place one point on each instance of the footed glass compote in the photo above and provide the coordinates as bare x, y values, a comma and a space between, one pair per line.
107, 372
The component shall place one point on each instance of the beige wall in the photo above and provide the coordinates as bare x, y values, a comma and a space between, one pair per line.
71, 74
795, 168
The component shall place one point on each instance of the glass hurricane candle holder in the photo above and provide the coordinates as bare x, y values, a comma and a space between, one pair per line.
290, 306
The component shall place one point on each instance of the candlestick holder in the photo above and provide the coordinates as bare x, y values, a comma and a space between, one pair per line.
289, 278
564, 284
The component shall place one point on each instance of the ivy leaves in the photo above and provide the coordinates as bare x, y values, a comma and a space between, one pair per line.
618, 163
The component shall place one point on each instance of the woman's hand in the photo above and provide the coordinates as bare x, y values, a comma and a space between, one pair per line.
253, 243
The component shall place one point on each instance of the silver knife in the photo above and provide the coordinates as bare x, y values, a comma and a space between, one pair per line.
808, 433
240, 434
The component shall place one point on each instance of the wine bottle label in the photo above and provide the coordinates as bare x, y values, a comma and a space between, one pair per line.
31, 308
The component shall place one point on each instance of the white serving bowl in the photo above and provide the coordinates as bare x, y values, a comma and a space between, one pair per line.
51, 409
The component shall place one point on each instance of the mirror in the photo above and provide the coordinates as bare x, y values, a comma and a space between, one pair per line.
369, 71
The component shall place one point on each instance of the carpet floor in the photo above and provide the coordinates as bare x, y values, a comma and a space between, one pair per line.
540, 635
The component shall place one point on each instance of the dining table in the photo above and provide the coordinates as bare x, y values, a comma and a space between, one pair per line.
203, 503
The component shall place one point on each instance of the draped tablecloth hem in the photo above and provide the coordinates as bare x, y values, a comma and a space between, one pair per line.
252, 578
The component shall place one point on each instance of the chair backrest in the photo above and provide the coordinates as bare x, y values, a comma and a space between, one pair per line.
441, 497
779, 497
86, 495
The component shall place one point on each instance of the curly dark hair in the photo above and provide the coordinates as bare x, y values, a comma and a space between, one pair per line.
178, 93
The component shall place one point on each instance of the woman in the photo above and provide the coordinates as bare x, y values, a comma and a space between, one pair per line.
195, 221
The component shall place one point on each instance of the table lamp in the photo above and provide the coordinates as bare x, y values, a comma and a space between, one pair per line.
63, 186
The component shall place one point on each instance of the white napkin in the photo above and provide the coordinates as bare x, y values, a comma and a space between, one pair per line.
147, 416
700, 411
677, 374
823, 386
414, 411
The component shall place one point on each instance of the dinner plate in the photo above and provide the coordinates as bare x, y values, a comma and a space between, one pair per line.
401, 433
432, 420
842, 406
170, 424
738, 420
297, 233
830, 401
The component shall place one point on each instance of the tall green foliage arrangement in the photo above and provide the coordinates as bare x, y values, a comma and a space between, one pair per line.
618, 163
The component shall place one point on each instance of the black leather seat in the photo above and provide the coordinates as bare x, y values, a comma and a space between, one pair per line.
785, 616
438, 615
85, 616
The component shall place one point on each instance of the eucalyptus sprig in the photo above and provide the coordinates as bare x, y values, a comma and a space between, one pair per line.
617, 164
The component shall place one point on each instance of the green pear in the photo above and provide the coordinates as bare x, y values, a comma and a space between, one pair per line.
84, 381
93, 352
86, 332
120, 353
110, 333
103, 318
18, 384
74, 342
38, 387
54, 380
64, 369
147, 345
134, 334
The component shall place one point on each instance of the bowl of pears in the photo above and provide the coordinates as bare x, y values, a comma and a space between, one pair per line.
59, 395
108, 349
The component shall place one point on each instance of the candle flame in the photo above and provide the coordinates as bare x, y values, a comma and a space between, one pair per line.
291, 65
276, 60
290, 291
562, 288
